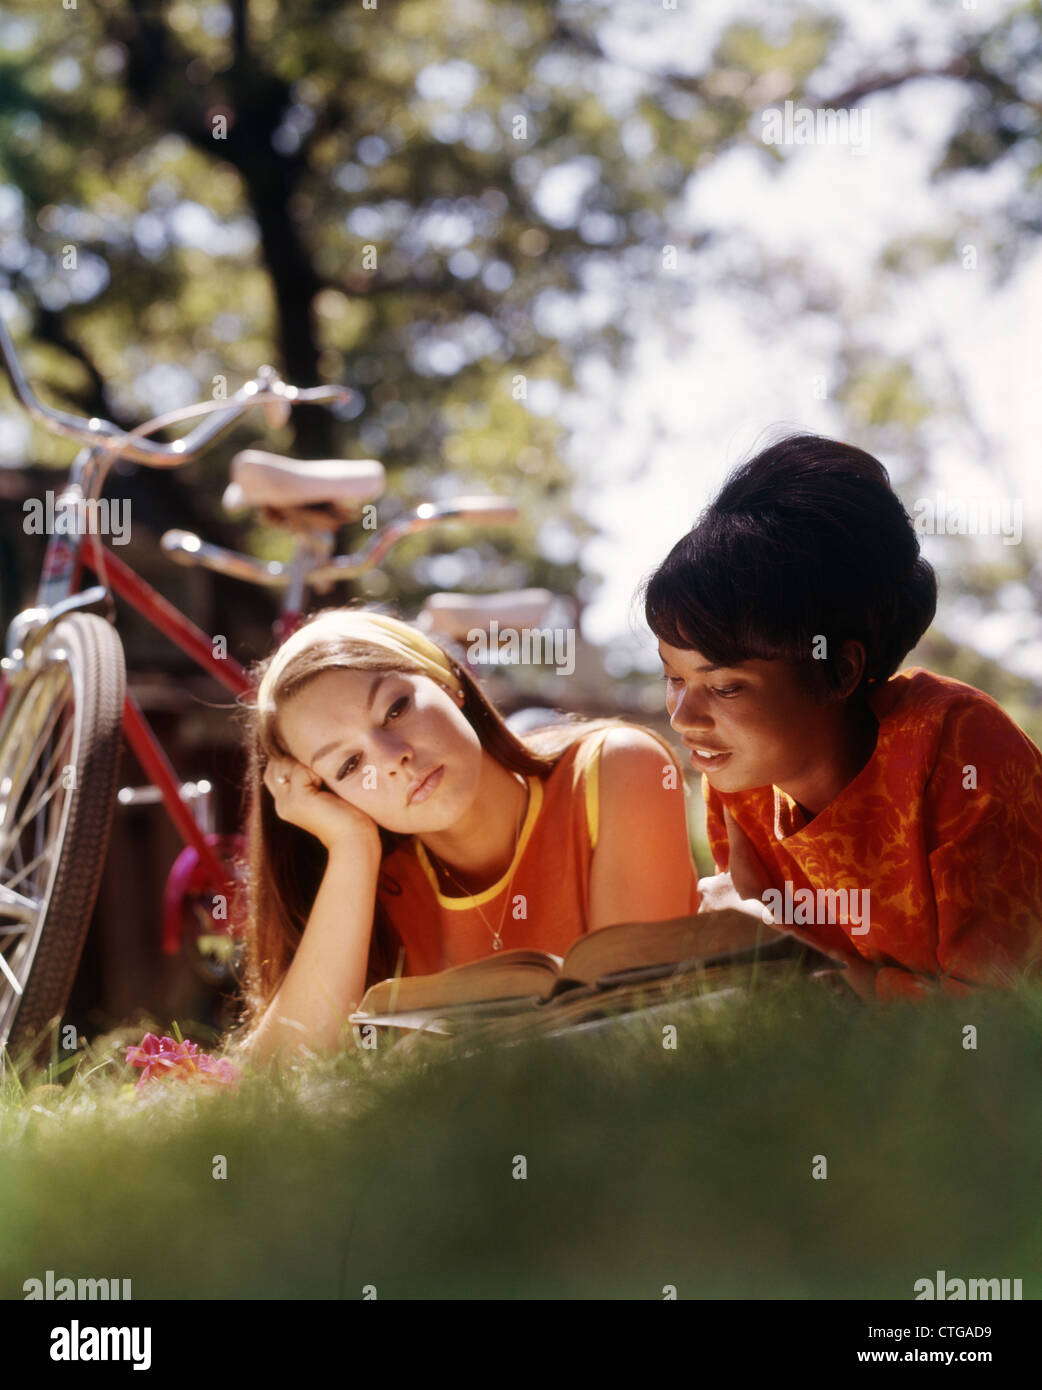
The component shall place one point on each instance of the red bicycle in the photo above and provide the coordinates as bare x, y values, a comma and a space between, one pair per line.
64, 702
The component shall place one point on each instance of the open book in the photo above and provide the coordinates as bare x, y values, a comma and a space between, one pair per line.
630, 956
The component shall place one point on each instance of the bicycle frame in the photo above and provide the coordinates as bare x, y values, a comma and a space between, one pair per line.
166, 618
199, 868
66, 560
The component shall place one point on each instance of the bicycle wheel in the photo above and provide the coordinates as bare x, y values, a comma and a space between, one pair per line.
59, 760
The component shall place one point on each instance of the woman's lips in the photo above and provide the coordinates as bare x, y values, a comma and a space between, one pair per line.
709, 764
427, 787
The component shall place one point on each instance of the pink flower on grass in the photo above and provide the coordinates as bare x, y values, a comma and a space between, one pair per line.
160, 1057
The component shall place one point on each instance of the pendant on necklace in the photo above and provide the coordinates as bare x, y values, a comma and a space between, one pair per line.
496, 943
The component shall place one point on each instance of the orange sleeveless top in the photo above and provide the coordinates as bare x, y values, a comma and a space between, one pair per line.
543, 899
943, 825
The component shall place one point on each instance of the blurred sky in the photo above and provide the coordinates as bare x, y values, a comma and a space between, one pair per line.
711, 382
701, 397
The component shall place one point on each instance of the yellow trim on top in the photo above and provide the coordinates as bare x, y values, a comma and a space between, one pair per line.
535, 801
593, 782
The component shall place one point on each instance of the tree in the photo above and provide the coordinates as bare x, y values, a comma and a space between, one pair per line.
446, 205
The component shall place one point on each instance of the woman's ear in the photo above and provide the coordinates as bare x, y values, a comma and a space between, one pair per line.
850, 666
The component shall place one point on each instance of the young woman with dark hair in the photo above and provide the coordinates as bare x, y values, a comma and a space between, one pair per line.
782, 618
395, 822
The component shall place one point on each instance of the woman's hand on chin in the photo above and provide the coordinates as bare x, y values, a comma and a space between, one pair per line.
303, 801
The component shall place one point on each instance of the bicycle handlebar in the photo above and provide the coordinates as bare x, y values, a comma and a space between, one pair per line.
266, 388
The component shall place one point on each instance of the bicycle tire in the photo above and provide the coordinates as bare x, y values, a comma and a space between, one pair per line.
45, 960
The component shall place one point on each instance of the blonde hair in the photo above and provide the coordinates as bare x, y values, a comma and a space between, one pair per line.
376, 630
284, 865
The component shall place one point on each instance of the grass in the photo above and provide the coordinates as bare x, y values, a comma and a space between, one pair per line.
646, 1166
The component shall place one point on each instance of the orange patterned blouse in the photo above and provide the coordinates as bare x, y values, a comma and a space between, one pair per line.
942, 826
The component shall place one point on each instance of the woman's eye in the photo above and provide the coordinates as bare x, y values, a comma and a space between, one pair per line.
726, 691
348, 767
395, 712
397, 708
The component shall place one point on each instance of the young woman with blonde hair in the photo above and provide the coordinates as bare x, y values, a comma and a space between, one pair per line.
396, 822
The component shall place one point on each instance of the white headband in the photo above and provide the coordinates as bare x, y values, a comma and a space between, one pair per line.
396, 637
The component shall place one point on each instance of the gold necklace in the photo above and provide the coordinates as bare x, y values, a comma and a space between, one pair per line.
497, 934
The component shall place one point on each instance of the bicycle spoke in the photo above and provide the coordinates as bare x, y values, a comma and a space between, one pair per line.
34, 808
27, 868
58, 747
41, 837
29, 753
41, 851
14, 904
47, 708
12, 978
33, 811
30, 782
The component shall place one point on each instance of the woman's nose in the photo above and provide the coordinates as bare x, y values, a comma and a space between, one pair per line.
686, 712
395, 753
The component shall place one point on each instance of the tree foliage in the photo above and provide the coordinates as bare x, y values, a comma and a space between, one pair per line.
446, 204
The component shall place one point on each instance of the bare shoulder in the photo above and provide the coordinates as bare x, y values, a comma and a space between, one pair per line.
627, 743
629, 753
